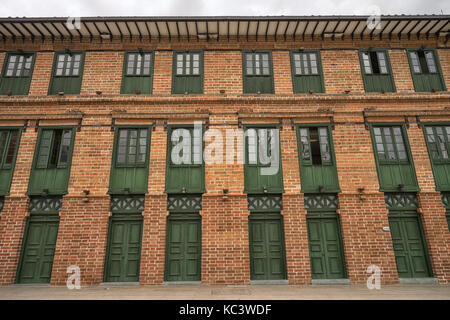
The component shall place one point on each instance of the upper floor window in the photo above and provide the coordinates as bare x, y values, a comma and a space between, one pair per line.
138, 73
438, 141
258, 74
188, 72
54, 148
9, 140
426, 71
67, 73
16, 75
377, 74
390, 145
315, 146
132, 147
307, 72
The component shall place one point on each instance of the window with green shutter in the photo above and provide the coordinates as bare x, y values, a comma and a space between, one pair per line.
258, 73
129, 169
187, 72
437, 137
16, 75
52, 160
185, 171
67, 73
376, 71
395, 167
426, 70
307, 72
137, 73
317, 162
262, 170
9, 144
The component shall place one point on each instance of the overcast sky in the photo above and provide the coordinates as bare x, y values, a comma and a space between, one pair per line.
52, 8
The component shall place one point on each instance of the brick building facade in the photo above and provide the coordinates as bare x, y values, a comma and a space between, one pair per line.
87, 118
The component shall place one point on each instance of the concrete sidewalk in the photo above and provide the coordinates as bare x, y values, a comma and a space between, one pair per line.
238, 292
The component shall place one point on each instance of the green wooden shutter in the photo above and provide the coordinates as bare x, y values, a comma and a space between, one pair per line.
376, 71
321, 176
187, 72
17, 72
393, 158
44, 148
52, 161
67, 73
185, 177
437, 138
306, 67
258, 72
256, 180
137, 74
9, 145
129, 166
426, 70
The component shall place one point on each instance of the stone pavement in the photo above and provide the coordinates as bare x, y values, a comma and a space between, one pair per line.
229, 292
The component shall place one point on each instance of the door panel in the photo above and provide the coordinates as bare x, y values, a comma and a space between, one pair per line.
267, 249
183, 252
409, 247
325, 249
38, 252
123, 260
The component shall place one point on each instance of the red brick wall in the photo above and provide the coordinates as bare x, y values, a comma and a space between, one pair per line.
225, 244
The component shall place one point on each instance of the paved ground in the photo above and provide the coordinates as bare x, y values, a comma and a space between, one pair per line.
255, 292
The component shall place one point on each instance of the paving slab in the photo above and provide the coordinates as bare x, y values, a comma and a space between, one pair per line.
245, 292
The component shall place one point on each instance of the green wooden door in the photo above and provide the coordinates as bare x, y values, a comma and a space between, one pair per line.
267, 257
409, 247
38, 251
183, 249
325, 248
124, 250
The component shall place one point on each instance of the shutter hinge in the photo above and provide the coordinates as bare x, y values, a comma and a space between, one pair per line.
113, 124
332, 122
239, 123
281, 124
366, 123
80, 121
36, 126
292, 124
25, 125
154, 125
165, 124
419, 124
206, 124
407, 122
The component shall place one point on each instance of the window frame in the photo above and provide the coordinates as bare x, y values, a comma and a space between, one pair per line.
23, 78
245, 140
170, 146
408, 160
66, 165
433, 125
319, 68
125, 64
25, 53
244, 71
389, 73
9, 129
303, 162
116, 147
201, 69
54, 68
437, 62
